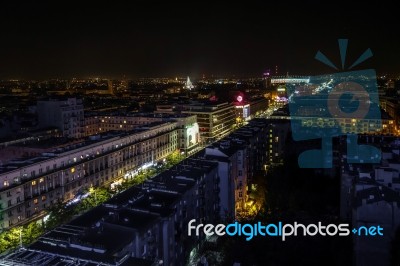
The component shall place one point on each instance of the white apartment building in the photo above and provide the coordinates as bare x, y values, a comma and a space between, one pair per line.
29, 186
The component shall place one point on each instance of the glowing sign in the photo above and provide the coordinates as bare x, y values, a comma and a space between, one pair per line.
239, 98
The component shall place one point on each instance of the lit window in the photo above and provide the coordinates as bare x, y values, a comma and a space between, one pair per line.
33, 182
35, 201
41, 180
6, 184
73, 170
43, 197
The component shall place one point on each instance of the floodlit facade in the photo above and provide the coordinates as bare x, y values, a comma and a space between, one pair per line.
215, 121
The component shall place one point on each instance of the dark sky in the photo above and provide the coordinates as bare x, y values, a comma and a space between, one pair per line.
70, 39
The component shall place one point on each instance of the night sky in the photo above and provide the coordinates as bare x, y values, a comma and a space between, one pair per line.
70, 39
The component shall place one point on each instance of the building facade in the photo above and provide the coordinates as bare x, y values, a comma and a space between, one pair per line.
29, 186
215, 121
150, 222
67, 115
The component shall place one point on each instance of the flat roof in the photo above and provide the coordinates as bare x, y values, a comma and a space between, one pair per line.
70, 145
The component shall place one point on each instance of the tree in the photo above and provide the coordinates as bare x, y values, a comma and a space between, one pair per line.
174, 158
31, 232
58, 214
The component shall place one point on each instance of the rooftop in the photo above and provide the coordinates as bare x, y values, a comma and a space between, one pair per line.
57, 147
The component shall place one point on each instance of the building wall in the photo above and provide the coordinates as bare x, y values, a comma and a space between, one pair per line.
189, 137
102, 123
257, 106
201, 187
392, 108
214, 123
68, 116
33, 188
277, 133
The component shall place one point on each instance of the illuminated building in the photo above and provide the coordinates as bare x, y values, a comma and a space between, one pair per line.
239, 155
392, 107
149, 221
189, 137
248, 109
242, 109
232, 169
189, 140
285, 79
103, 122
215, 120
28, 186
277, 134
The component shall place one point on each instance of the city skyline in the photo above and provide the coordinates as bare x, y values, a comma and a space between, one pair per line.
43, 41
133, 133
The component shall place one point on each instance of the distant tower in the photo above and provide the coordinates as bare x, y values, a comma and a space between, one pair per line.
188, 84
